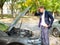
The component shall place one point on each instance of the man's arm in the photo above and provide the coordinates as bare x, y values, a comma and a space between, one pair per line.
37, 14
51, 19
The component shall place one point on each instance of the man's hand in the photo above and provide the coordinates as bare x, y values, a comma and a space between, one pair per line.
38, 9
46, 25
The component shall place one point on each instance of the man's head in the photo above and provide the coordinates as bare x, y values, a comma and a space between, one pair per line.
41, 9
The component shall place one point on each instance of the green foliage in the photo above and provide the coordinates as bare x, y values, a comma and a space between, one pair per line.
2, 3
3, 27
51, 5
54, 5
1, 7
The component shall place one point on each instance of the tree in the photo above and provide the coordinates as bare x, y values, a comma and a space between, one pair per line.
1, 7
50, 5
56, 5
21, 5
12, 6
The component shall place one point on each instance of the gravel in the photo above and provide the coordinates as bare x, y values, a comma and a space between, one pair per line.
32, 24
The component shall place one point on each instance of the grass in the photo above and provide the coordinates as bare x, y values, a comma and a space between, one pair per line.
3, 27
7, 15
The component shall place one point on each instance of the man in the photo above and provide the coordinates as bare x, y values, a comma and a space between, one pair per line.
46, 20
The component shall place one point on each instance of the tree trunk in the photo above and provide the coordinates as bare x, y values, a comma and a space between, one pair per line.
1, 13
12, 11
12, 8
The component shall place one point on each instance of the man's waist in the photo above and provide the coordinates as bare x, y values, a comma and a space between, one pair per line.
43, 23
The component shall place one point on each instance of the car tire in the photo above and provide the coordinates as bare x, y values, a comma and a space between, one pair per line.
3, 42
55, 32
15, 43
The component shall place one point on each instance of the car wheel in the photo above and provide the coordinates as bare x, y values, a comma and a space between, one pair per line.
15, 43
55, 32
2, 42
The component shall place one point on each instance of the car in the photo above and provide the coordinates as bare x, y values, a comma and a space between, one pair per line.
55, 30
13, 35
13, 38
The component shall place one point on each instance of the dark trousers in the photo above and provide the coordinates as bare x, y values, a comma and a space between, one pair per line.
44, 36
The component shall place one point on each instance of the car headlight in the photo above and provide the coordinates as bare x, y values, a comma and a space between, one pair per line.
35, 41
